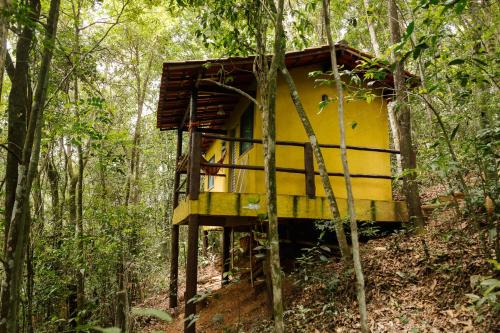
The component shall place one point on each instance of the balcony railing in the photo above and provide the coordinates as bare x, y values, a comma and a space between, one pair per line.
193, 164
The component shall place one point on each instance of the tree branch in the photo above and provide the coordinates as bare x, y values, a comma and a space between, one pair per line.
6, 147
239, 91
86, 54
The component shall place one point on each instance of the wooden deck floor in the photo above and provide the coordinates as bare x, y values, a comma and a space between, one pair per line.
233, 209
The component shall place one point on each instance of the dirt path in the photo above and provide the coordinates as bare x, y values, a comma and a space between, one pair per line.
234, 305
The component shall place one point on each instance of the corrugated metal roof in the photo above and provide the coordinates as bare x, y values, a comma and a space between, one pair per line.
215, 103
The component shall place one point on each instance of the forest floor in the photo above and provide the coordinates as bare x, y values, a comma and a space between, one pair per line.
414, 283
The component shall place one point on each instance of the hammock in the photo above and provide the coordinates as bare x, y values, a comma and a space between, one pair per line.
213, 170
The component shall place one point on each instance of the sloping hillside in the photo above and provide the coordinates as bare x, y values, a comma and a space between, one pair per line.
414, 284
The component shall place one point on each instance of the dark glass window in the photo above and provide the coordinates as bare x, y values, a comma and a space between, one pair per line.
246, 128
211, 179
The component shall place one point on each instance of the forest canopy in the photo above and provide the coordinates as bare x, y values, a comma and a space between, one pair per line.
88, 181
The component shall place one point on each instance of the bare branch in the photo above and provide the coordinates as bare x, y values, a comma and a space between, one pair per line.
86, 54
239, 91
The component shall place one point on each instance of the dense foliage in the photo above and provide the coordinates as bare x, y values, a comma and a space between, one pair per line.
101, 194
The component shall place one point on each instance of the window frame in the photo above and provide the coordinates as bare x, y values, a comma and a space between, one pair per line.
211, 179
247, 116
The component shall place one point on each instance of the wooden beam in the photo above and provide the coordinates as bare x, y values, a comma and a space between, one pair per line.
174, 234
194, 166
205, 243
231, 209
191, 109
177, 175
292, 170
191, 274
211, 130
174, 266
301, 144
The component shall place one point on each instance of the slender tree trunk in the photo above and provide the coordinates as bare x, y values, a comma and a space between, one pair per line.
131, 191
267, 81
19, 224
371, 28
53, 177
30, 277
4, 6
360, 280
403, 115
17, 110
77, 175
327, 186
132, 194
390, 107
122, 317
395, 135
80, 232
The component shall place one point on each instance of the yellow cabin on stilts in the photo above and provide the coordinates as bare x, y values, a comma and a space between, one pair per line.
219, 180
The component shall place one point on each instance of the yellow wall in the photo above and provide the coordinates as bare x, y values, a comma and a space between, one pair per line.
371, 130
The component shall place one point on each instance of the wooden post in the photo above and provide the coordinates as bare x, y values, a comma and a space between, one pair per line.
174, 266
309, 167
177, 175
250, 252
191, 273
205, 243
174, 234
226, 243
194, 166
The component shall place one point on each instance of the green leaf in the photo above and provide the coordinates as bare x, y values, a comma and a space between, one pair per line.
191, 319
491, 283
456, 62
323, 105
325, 248
454, 133
107, 330
150, 312
480, 62
410, 28
418, 49
405, 56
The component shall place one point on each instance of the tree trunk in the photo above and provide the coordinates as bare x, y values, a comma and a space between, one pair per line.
395, 135
371, 28
19, 224
122, 317
4, 6
267, 81
404, 119
17, 110
327, 186
390, 107
76, 178
360, 281
30, 277
53, 177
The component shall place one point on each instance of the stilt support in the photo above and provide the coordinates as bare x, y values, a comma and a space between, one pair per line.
191, 274
226, 264
174, 266
205, 243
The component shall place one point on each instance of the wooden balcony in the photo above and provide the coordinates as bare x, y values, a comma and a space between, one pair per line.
238, 209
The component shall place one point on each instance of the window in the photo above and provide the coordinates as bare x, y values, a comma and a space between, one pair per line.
211, 179
246, 129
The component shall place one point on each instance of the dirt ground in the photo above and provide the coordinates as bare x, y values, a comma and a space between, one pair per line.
413, 284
